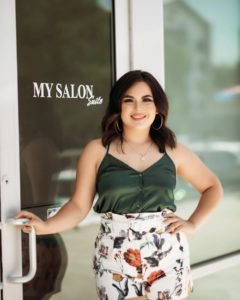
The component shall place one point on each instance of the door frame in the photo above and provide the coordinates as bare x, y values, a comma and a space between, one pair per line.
9, 151
129, 38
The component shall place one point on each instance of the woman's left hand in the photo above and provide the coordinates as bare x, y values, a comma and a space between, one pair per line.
178, 224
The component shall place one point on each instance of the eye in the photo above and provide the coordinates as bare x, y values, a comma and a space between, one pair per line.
143, 100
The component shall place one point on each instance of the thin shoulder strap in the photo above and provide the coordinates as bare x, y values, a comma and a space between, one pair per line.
108, 147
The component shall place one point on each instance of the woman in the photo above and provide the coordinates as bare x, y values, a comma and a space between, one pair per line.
141, 251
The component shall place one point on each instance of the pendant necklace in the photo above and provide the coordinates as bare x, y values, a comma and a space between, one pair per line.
142, 156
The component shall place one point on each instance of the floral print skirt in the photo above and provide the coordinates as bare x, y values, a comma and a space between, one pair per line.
133, 256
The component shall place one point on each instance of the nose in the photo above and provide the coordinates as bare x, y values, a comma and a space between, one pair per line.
138, 105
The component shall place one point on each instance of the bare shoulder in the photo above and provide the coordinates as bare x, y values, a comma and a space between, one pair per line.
85, 187
97, 148
95, 145
180, 155
94, 152
191, 168
176, 153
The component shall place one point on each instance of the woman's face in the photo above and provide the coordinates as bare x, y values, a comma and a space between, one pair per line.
138, 101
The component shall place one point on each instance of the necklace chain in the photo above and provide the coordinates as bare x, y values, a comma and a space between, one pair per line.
142, 155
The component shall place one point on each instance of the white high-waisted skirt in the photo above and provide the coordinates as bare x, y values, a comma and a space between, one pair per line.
133, 256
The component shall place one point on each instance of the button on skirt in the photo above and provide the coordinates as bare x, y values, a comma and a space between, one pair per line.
134, 256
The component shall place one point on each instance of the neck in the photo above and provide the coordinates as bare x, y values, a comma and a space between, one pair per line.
137, 137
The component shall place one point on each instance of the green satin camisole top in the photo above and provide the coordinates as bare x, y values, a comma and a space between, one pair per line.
122, 189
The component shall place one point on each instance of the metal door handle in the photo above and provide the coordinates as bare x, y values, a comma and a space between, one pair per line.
32, 252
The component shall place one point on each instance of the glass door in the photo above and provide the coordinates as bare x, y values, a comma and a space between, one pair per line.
56, 75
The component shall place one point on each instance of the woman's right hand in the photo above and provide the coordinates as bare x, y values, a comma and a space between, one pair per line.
39, 225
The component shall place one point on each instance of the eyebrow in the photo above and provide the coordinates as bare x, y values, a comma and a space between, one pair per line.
133, 97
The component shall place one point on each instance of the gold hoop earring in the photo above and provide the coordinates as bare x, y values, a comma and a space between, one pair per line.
160, 124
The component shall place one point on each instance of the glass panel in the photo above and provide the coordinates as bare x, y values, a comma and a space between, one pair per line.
221, 285
202, 67
64, 78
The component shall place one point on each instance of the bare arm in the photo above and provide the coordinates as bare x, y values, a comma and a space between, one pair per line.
76, 210
194, 171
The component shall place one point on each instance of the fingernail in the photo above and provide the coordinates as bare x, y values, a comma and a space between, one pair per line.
25, 223
24, 228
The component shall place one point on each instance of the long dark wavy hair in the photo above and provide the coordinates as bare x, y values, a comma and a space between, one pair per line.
109, 128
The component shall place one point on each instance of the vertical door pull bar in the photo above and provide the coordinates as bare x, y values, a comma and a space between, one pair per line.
32, 252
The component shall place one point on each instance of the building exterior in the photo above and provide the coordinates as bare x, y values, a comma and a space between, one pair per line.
58, 61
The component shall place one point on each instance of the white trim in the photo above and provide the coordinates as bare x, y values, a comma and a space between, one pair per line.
131, 45
147, 37
122, 47
9, 150
217, 266
139, 37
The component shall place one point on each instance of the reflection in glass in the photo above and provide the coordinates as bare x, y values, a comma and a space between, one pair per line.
221, 285
202, 67
64, 77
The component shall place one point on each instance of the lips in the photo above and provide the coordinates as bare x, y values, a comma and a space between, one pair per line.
138, 116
